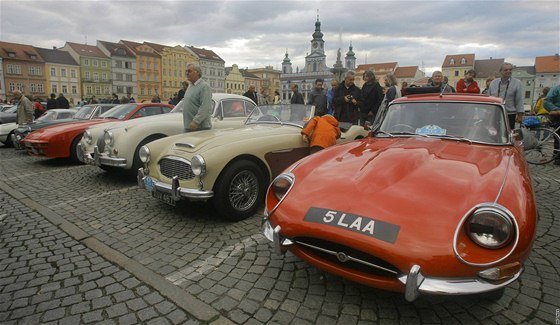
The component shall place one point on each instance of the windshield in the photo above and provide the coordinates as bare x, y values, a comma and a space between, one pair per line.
84, 112
179, 107
119, 112
477, 122
295, 114
11, 109
47, 116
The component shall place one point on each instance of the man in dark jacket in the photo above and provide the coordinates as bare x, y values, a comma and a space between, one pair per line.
51, 103
62, 102
347, 99
372, 95
297, 97
251, 93
318, 98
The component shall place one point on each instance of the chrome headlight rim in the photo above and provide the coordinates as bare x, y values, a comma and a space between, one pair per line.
489, 217
87, 137
198, 165
288, 177
108, 138
144, 154
461, 227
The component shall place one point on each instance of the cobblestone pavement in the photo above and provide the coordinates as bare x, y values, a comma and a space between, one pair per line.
78, 245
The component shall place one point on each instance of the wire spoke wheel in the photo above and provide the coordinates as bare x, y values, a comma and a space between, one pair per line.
244, 190
543, 147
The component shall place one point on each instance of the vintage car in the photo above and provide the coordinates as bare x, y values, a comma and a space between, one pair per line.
230, 166
437, 200
115, 146
61, 141
7, 130
86, 112
9, 115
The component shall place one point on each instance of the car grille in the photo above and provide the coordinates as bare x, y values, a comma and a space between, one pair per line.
361, 262
101, 144
170, 167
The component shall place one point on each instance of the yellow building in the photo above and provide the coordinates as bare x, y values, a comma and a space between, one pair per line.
270, 80
62, 74
235, 82
173, 66
455, 66
148, 70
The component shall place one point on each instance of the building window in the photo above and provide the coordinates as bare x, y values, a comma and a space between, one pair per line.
103, 64
73, 73
129, 90
53, 72
96, 77
33, 88
128, 77
34, 71
452, 61
119, 76
74, 90
463, 61
54, 88
120, 89
95, 63
98, 90
128, 65
63, 72
40, 88
86, 61
88, 90
456, 73
104, 76
64, 89
527, 94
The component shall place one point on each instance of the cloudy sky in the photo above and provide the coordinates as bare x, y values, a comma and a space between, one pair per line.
258, 33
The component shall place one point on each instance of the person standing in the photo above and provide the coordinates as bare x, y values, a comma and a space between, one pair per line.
115, 99
347, 100
198, 101
38, 108
437, 81
468, 84
251, 93
297, 97
51, 103
181, 92
488, 81
318, 98
392, 91
276, 98
330, 97
511, 91
552, 105
62, 102
262, 97
24, 112
93, 100
372, 95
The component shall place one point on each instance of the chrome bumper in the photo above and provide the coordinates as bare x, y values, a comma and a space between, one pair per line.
177, 193
415, 282
16, 143
99, 159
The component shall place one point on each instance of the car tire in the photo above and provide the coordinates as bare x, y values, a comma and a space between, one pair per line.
74, 150
239, 191
8, 142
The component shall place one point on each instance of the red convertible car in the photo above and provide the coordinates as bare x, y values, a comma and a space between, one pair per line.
60, 141
436, 200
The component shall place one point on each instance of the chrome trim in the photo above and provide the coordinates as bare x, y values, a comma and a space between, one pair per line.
175, 190
104, 159
461, 224
96, 154
140, 178
448, 286
279, 242
288, 175
186, 145
504, 180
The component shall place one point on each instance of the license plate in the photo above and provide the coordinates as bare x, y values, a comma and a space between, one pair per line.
149, 183
164, 197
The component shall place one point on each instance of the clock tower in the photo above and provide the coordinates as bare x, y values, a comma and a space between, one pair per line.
316, 60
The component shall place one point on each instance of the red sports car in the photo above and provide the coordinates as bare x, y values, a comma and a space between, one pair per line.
437, 200
60, 141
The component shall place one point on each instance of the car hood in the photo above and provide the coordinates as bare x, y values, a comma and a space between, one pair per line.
42, 124
8, 127
50, 131
201, 140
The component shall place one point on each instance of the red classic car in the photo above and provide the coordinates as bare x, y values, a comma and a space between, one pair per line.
436, 200
60, 141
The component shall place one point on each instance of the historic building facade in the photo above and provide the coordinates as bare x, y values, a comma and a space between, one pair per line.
148, 70
123, 72
62, 74
23, 69
213, 67
315, 67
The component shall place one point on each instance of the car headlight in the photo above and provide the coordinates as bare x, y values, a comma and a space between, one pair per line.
490, 228
281, 185
198, 165
87, 137
108, 138
144, 154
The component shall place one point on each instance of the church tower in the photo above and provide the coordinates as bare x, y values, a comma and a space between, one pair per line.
350, 59
316, 60
286, 64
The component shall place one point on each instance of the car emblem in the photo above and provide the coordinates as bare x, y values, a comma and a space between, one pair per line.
342, 257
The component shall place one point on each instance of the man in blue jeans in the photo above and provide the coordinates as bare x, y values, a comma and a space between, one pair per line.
552, 105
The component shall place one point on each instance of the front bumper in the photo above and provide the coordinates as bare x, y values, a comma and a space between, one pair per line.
100, 159
16, 141
177, 193
415, 283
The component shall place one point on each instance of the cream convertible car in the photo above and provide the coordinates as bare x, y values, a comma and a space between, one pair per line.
233, 167
114, 146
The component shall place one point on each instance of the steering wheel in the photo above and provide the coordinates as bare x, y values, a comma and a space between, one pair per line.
401, 128
268, 118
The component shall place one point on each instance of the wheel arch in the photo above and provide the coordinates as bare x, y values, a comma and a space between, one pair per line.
262, 166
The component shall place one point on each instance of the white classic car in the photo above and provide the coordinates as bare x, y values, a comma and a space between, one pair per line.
6, 130
233, 167
115, 146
